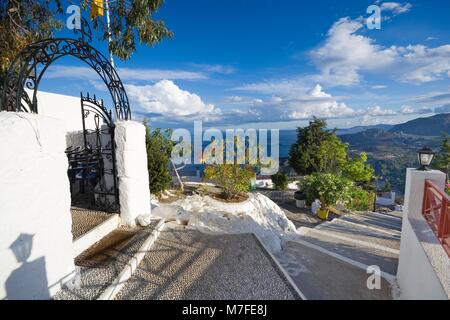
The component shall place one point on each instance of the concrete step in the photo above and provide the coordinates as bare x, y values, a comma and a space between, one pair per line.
188, 264
103, 263
372, 221
376, 229
383, 217
397, 214
364, 252
360, 234
320, 276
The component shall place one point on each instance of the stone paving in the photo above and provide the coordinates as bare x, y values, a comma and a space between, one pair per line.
187, 264
101, 264
84, 220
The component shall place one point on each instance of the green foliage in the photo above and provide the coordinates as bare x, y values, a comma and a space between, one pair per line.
304, 155
326, 187
23, 22
232, 178
442, 161
280, 181
130, 23
331, 155
360, 200
358, 170
159, 148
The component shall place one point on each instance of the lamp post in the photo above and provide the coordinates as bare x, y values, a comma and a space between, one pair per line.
425, 157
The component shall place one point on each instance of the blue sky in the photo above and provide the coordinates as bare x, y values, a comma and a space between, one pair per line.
275, 64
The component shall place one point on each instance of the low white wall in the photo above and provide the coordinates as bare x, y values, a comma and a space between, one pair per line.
65, 108
132, 171
36, 253
424, 266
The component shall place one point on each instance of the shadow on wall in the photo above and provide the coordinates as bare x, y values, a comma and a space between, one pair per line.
29, 281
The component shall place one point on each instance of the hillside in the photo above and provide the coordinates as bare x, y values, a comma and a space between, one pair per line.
432, 126
390, 153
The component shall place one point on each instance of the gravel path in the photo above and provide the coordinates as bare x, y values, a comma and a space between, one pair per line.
187, 264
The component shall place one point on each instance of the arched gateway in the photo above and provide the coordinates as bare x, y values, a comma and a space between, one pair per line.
30, 65
92, 167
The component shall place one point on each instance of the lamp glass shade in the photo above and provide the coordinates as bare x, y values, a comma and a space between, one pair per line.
425, 156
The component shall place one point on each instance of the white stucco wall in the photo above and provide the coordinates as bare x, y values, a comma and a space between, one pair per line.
65, 108
36, 253
424, 267
132, 171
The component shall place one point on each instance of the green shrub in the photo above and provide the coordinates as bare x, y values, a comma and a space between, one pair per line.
360, 200
326, 187
159, 148
280, 181
232, 178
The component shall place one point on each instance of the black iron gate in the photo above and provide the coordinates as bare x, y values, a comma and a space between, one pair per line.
92, 166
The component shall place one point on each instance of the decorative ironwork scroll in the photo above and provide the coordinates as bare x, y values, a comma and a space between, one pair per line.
21, 83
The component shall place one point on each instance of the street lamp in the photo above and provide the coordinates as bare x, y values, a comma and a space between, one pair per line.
425, 156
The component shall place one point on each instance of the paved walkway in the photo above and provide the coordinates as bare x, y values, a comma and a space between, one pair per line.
84, 220
187, 264
330, 260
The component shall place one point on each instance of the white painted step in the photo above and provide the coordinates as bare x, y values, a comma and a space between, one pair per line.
356, 250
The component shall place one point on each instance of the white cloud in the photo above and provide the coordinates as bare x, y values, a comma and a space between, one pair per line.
215, 68
86, 73
345, 53
407, 110
378, 111
377, 87
166, 99
395, 7
428, 64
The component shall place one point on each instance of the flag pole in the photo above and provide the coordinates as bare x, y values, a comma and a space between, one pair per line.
111, 59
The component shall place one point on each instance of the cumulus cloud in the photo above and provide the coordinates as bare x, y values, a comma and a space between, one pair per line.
167, 100
345, 55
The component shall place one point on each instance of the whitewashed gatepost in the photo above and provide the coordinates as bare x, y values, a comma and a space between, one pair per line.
36, 252
132, 172
424, 266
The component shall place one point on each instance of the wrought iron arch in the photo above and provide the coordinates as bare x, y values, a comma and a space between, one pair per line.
30, 65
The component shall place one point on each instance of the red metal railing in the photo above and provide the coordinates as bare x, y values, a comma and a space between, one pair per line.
436, 210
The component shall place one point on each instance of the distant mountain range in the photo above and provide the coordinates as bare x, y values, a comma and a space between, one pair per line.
359, 129
392, 149
432, 126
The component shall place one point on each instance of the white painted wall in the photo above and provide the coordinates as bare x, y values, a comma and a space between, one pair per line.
65, 108
36, 254
132, 171
424, 267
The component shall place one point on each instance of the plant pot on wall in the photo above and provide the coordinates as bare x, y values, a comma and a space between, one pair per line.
323, 213
300, 199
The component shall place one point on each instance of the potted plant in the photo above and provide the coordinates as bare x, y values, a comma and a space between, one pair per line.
300, 199
328, 189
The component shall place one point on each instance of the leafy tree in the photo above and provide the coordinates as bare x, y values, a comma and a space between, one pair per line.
159, 148
304, 155
280, 181
442, 161
131, 22
23, 22
358, 170
331, 155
